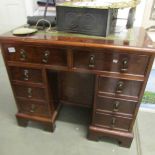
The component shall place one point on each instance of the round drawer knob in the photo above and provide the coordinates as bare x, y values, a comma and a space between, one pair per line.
26, 74
116, 106
113, 122
91, 61
32, 109
124, 67
120, 87
23, 55
46, 56
29, 91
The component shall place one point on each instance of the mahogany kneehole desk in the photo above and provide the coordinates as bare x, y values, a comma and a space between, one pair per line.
108, 76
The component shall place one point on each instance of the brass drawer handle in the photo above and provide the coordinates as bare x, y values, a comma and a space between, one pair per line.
23, 55
124, 67
113, 122
33, 108
91, 61
45, 57
120, 86
29, 91
116, 106
26, 74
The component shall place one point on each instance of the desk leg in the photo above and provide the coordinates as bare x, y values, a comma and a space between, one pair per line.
45, 123
49, 127
22, 121
124, 138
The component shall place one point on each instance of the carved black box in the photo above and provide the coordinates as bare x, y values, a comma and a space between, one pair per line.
99, 22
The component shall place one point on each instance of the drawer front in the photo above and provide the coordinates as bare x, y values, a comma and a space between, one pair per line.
112, 121
119, 87
26, 74
29, 92
114, 105
45, 55
15, 52
52, 56
111, 62
33, 108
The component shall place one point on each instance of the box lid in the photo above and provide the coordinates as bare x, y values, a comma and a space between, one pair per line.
100, 4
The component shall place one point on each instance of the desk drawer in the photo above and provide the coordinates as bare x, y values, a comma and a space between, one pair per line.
36, 54
111, 61
116, 106
26, 74
15, 52
112, 121
53, 56
119, 87
33, 108
29, 92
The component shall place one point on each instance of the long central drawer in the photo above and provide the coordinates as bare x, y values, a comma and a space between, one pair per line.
108, 60
36, 54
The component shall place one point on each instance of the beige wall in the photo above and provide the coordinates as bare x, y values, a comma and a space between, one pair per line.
31, 6
12, 14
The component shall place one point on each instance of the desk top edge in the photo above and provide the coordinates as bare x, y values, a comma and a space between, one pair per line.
141, 41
